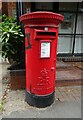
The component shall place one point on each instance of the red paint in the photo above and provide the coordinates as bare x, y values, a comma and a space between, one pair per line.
41, 72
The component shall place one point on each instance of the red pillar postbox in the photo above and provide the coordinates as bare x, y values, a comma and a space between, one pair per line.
41, 35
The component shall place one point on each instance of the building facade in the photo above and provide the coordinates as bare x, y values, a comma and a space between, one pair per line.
70, 39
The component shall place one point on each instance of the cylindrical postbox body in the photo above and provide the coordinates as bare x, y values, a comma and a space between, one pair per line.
41, 35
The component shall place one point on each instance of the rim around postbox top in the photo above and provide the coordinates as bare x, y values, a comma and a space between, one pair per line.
41, 18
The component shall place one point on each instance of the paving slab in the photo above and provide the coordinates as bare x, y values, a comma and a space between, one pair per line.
69, 74
61, 64
3, 75
56, 110
0, 81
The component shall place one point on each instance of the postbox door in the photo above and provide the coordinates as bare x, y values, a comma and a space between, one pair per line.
44, 81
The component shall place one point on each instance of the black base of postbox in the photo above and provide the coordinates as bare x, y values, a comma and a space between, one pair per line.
39, 101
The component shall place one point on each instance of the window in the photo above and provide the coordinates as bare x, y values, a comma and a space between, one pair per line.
27, 7
79, 29
67, 6
65, 43
44, 6
80, 7
67, 26
71, 30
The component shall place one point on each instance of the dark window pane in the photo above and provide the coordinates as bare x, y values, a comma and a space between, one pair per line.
44, 6
67, 6
81, 6
27, 7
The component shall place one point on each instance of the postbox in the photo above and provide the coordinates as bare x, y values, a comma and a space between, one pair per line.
41, 36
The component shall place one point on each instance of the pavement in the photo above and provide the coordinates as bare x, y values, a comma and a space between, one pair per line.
67, 102
56, 110
1, 80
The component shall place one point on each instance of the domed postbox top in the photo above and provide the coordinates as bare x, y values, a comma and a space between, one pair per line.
41, 19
